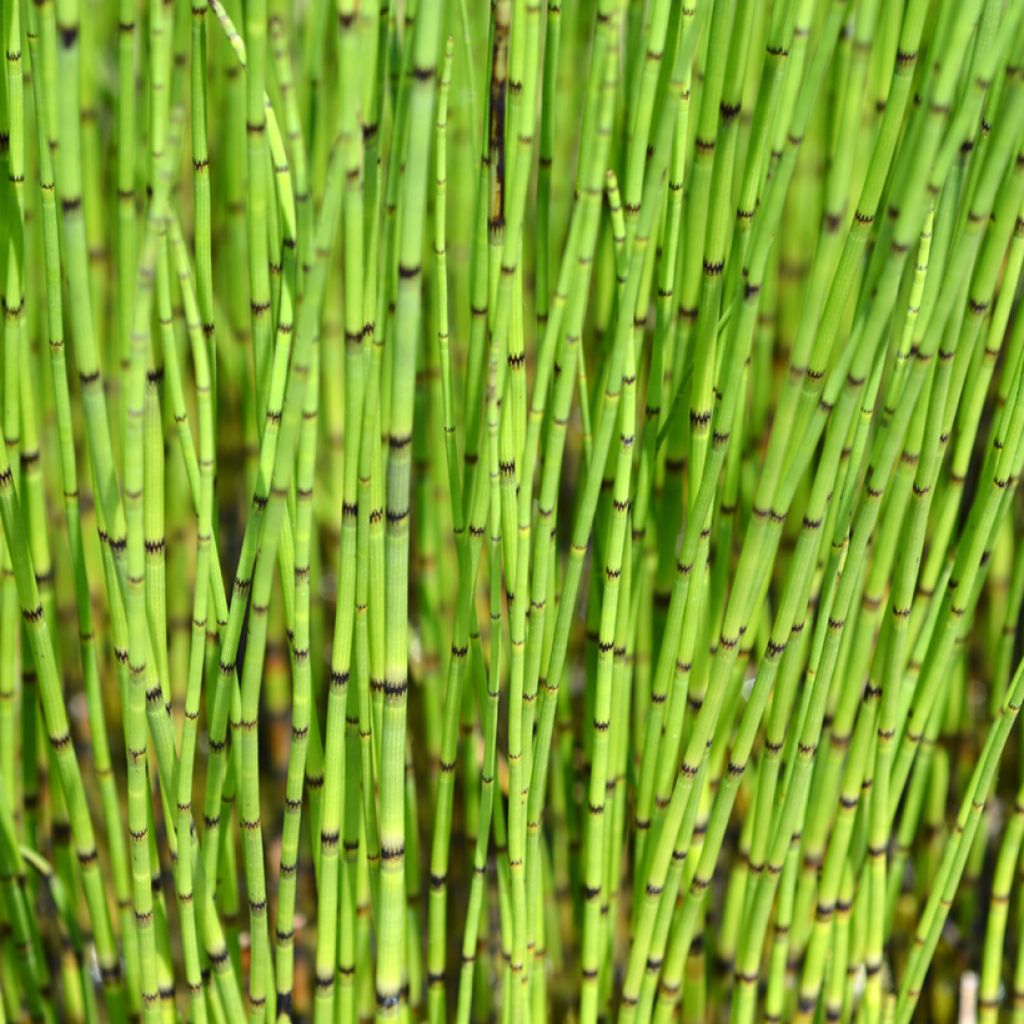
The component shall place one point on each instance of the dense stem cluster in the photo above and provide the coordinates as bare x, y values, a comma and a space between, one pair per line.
508, 510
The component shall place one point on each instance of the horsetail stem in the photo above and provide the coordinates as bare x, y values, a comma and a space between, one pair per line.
543, 477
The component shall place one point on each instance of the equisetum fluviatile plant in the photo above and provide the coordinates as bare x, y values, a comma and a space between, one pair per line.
508, 511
